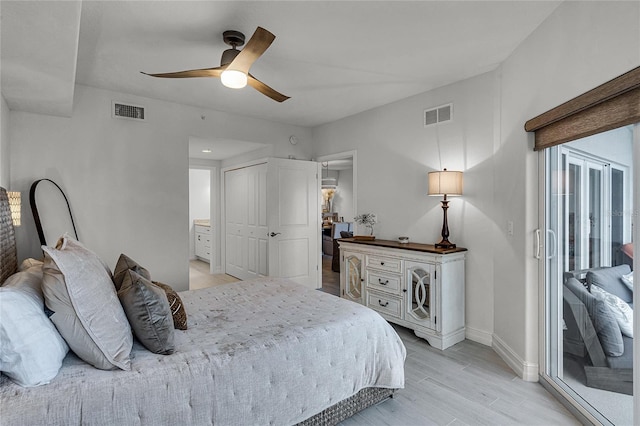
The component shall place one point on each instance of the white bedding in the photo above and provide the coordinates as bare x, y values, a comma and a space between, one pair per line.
262, 352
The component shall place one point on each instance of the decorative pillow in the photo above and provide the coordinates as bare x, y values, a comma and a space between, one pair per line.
85, 305
603, 320
31, 349
620, 310
176, 305
627, 279
177, 308
147, 309
610, 280
124, 264
607, 328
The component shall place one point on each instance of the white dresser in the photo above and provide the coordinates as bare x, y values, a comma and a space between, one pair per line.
203, 241
414, 285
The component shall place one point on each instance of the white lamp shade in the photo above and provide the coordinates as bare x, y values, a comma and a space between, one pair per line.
445, 183
329, 183
233, 79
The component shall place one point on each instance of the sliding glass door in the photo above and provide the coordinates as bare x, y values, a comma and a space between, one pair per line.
588, 216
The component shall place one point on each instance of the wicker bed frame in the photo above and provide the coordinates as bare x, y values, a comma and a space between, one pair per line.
331, 416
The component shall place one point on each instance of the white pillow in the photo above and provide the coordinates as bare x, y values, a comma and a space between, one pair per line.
29, 263
28, 280
31, 349
620, 309
627, 279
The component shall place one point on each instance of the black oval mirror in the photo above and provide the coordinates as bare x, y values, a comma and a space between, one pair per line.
51, 211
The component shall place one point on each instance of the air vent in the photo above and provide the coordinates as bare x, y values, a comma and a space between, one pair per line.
128, 111
439, 114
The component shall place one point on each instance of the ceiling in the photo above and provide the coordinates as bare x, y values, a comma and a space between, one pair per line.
334, 58
220, 149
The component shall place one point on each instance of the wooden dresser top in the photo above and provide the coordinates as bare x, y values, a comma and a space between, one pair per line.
427, 248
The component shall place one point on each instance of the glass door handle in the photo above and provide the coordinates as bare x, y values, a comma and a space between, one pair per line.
537, 243
553, 244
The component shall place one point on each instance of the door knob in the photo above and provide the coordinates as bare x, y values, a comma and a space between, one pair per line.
273, 234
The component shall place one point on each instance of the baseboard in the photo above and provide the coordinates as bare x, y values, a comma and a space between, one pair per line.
528, 371
479, 336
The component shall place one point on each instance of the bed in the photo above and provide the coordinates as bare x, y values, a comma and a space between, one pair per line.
265, 351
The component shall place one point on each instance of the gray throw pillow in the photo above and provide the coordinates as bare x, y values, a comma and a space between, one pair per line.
148, 311
124, 264
610, 280
85, 306
603, 320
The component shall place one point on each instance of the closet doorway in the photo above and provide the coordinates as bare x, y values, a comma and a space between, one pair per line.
339, 206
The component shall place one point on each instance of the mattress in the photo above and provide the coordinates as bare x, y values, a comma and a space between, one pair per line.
264, 351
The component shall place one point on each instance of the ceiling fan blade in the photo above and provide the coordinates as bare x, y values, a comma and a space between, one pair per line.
258, 43
266, 90
205, 72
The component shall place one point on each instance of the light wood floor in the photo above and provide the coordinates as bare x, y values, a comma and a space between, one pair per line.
199, 276
467, 384
330, 279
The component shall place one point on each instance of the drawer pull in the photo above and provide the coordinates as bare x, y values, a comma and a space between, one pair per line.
381, 263
384, 305
382, 282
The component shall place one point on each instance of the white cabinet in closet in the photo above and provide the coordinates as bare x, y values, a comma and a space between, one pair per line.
414, 285
203, 242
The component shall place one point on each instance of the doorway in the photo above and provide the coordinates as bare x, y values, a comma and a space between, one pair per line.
339, 206
201, 236
589, 219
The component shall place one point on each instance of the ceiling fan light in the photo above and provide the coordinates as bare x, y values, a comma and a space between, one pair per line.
233, 79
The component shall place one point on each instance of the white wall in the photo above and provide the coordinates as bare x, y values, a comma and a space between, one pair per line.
343, 198
580, 46
4, 144
127, 181
199, 201
395, 152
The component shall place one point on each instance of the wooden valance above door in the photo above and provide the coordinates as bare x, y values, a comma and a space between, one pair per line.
613, 104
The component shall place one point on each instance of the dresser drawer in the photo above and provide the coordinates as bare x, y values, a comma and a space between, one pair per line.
383, 282
203, 229
385, 304
384, 263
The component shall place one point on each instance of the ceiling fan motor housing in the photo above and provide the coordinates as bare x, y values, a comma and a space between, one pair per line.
228, 56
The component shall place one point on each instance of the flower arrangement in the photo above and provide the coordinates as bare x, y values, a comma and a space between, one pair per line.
368, 220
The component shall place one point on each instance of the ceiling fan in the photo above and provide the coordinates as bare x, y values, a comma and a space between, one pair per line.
234, 64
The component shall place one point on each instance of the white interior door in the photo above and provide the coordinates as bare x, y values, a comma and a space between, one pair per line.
294, 220
235, 200
246, 222
257, 238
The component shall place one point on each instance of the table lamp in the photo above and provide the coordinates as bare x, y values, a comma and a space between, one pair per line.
445, 183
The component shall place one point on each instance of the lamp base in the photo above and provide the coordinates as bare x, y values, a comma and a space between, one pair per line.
445, 244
